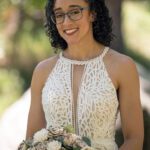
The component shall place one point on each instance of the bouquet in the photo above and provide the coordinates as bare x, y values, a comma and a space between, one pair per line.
56, 139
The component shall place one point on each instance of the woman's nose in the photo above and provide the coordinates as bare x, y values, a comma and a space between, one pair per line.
67, 19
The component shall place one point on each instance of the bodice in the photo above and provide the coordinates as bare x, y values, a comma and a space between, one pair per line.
97, 103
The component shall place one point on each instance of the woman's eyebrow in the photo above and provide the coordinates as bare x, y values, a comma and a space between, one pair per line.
71, 6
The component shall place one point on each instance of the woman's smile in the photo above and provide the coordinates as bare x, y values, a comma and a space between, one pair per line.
73, 21
70, 31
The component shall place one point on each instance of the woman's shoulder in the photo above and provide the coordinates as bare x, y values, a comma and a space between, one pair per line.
47, 64
124, 65
120, 60
43, 68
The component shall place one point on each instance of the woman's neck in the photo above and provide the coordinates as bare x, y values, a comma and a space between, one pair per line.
84, 51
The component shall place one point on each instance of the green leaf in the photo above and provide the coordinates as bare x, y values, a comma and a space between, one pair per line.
28, 142
69, 129
86, 140
60, 139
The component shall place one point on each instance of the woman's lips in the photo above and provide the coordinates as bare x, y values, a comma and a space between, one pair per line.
70, 31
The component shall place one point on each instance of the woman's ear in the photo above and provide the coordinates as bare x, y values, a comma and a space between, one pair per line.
93, 16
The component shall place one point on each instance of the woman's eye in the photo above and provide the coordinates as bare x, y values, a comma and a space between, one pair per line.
74, 12
59, 15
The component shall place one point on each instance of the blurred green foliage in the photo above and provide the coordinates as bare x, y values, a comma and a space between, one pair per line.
147, 2
22, 25
38, 4
11, 87
136, 31
26, 44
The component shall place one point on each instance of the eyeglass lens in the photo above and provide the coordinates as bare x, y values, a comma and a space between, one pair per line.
74, 14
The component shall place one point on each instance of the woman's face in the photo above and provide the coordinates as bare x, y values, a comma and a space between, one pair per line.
79, 27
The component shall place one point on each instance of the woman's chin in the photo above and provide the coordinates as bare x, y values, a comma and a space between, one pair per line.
72, 42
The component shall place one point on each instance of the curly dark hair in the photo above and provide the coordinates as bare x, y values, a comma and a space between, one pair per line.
102, 25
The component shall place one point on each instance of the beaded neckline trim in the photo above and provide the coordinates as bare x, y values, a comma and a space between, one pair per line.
83, 62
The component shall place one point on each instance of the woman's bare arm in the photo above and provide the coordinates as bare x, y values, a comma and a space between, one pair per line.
36, 117
130, 106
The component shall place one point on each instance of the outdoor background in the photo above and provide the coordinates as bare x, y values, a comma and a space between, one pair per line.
23, 43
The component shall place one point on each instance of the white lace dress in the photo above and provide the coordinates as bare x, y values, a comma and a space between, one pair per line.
97, 105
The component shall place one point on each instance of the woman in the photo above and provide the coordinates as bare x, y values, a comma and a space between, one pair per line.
87, 83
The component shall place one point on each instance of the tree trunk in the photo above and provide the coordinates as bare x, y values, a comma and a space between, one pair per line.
115, 9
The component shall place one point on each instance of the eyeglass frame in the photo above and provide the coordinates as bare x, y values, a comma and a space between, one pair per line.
67, 14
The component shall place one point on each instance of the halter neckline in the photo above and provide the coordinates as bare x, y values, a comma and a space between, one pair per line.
83, 62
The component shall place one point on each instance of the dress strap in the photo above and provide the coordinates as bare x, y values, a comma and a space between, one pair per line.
104, 52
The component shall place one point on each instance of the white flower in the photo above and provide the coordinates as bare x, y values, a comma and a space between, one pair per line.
55, 131
74, 137
40, 135
54, 145
70, 138
87, 148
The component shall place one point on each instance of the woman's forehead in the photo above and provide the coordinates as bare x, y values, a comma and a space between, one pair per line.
68, 3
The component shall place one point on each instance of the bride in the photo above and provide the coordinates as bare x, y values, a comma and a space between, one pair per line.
87, 83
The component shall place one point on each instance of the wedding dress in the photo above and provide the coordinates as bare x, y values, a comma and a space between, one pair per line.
95, 112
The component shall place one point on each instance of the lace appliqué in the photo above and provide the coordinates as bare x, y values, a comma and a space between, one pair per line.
97, 102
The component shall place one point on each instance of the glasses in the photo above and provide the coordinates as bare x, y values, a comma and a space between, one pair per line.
74, 14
